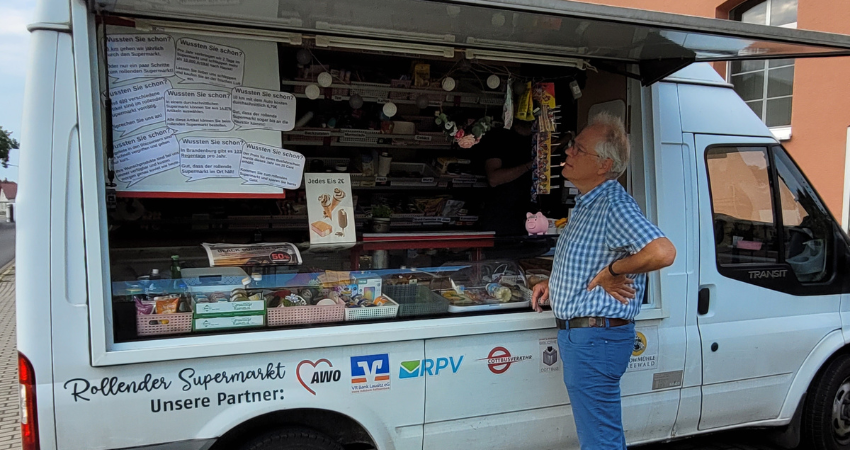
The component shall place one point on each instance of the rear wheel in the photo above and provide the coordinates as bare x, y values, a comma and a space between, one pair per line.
826, 420
292, 439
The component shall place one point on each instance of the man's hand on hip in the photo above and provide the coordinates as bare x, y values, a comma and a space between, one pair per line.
540, 295
618, 287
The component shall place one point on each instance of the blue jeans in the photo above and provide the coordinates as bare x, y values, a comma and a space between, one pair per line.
594, 360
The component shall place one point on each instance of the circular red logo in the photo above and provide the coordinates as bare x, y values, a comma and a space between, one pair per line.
280, 257
498, 361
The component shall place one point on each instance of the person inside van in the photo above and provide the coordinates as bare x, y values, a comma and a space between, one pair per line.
600, 267
506, 154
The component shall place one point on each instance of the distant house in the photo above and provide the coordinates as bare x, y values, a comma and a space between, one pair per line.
8, 192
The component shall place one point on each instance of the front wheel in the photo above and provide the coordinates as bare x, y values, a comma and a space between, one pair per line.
292, 439
826, 419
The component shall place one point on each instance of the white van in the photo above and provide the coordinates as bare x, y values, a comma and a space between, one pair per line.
746, 329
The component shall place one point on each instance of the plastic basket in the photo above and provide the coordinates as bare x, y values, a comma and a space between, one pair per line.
372, 312
360, 136
309, 135
433, 137
399, 84
370, 90
159, 324
434, 95
304, 315
415, 300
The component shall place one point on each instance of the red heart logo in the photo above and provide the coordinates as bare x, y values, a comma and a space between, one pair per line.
314, 364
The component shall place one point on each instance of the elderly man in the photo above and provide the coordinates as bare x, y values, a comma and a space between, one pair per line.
598, 279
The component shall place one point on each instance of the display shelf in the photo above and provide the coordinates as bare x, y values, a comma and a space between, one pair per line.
366, 138
382, 93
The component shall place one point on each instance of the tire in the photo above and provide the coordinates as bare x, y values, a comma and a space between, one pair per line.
826, 420
292, 439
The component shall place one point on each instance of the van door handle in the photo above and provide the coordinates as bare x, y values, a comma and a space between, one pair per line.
703, 301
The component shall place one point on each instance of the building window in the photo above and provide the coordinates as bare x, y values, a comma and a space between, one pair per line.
766, 86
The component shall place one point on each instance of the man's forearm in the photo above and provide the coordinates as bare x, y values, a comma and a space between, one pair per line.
656, 255
502, 176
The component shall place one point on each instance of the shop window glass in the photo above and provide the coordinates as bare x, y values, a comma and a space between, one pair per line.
807, 226
247, 204
742, 205
767, 89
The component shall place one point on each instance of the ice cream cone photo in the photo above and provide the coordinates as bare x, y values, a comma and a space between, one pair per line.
327, 208
338, 196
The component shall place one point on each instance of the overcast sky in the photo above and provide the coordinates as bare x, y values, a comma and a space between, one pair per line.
14, 40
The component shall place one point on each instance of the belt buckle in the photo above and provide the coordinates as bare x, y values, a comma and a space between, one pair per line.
592, 322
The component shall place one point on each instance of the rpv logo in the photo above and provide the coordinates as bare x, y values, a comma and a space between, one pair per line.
413, 369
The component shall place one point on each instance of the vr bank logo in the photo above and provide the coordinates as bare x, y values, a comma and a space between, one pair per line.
413, 369
370, 373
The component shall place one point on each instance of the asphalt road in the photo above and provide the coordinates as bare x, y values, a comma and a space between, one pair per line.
729, 440
7, 241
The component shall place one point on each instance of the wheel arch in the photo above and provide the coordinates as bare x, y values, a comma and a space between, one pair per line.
827, 350
338, 426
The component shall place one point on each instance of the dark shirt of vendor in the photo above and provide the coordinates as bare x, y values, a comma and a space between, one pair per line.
506, 155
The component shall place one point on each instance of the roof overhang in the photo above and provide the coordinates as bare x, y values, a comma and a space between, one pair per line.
658, 43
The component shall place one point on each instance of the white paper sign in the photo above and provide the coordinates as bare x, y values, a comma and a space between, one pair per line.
205, 157
273, 166
206, 62
137, 105
261, 108
146, 154
330, 208
140, 56
195, 109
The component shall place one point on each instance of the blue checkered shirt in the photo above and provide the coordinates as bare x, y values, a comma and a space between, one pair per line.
606, 224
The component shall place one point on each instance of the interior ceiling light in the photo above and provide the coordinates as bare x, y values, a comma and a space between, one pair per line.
527, 47
384, 46
371, 32
219, 31
491, 55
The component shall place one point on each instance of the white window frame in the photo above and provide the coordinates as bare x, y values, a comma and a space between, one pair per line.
845, 213
781, 133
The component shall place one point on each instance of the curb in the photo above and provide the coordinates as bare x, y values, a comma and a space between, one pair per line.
7, 268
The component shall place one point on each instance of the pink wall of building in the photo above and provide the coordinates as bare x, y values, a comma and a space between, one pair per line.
821, 104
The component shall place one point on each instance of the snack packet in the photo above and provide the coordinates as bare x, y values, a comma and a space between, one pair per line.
144, 308
167, 305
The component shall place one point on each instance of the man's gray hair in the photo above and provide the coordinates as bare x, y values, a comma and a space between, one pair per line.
614, 143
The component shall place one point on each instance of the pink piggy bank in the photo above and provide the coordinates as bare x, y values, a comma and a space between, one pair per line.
536, 223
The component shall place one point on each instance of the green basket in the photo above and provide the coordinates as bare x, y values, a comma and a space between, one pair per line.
416, 300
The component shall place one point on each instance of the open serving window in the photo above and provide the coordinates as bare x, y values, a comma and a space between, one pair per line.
297, 165
257, 184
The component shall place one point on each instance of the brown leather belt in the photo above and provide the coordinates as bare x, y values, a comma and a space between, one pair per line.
591, 322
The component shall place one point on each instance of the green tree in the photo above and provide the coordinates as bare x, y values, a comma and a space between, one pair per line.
7, 143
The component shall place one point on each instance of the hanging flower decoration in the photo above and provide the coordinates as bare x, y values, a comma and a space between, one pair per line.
467, 136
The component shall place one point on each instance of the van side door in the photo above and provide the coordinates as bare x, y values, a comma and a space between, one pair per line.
769, 285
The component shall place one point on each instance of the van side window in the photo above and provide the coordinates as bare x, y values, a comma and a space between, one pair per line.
742, 205
807, 226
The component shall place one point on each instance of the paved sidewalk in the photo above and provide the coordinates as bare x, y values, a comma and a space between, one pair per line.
10, 432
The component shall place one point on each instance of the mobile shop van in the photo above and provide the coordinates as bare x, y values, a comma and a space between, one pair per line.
154, 127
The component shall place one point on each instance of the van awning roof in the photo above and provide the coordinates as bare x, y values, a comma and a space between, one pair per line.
536, 30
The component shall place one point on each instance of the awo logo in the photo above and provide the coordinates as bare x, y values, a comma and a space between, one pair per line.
318, 372
370, 373
417, 368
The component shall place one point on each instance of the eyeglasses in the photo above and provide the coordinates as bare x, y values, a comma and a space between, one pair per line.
571, 144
